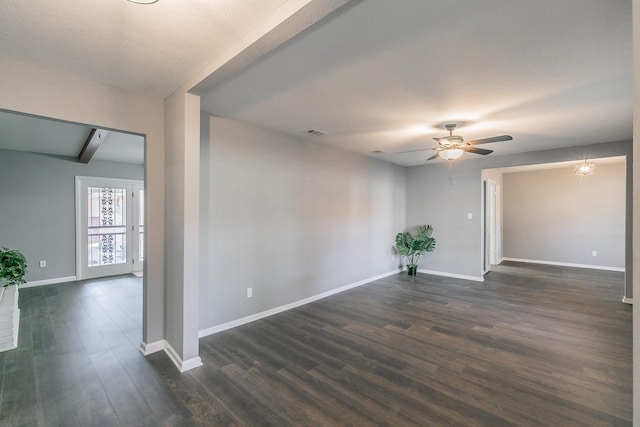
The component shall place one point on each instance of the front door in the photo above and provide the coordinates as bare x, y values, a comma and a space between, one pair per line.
107, 229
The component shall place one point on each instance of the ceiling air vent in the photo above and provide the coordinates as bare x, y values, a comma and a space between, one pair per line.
316, 132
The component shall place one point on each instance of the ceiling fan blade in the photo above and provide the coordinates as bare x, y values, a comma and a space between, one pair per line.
477, 150
433, 157
492, 139
413, 151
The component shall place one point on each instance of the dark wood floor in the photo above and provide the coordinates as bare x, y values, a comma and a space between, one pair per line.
532, 345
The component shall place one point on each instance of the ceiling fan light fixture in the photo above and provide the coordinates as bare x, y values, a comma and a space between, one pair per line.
584, 169
143, 1
450, 141
452, 147
451, 154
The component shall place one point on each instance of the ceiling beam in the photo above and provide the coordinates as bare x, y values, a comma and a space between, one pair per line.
293, 18
96, 137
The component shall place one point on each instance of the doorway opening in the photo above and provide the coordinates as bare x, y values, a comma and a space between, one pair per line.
492, 224
547, 214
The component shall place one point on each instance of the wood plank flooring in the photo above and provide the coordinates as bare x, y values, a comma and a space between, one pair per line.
532, 345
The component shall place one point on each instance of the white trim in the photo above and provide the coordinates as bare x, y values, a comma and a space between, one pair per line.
252, 318
163, 345
49, 281
627, 300
453, 275
564, 264
98, 180
182, 365
137, 265
78, 222
152, 347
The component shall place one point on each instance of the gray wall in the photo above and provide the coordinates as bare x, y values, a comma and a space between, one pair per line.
37, 207
433, 199
444, 198
552, 215
289, 218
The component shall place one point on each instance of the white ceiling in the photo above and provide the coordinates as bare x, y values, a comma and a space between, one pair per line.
375, 75
385, 75
143, 48
152, 49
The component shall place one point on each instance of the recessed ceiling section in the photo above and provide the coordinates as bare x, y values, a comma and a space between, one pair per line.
45, 136
379, 75
122, 147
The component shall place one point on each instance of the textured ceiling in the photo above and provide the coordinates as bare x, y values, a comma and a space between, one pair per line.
143, 48
375, 75
382, 75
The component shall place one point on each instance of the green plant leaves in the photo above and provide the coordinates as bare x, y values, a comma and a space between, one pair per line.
404, 242
413, 247
13, 266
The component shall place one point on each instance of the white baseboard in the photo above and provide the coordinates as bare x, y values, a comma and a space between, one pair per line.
453, 275
152, 347
627, 300
182, 365
565, 264
163, 345
252, 318
49, 281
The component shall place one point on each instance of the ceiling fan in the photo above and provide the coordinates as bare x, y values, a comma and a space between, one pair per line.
454, 146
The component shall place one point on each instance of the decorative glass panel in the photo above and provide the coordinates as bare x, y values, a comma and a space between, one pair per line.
107, 227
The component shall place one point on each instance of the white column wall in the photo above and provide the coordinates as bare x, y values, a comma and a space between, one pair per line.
182, 183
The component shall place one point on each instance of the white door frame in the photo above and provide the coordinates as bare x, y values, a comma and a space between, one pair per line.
492, 245
83, 271
497, 252
136, 226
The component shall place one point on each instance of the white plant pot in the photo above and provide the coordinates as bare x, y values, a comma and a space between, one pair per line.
9, 318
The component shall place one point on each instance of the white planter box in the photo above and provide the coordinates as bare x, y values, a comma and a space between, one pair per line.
9, 318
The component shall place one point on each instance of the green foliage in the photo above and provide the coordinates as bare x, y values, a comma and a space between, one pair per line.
13, 267
412, 247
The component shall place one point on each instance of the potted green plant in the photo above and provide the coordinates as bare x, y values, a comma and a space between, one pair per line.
13, 267
413, 246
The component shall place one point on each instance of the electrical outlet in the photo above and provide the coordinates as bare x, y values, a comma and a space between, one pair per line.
249, 292
594, 253
469, 215
43, 264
